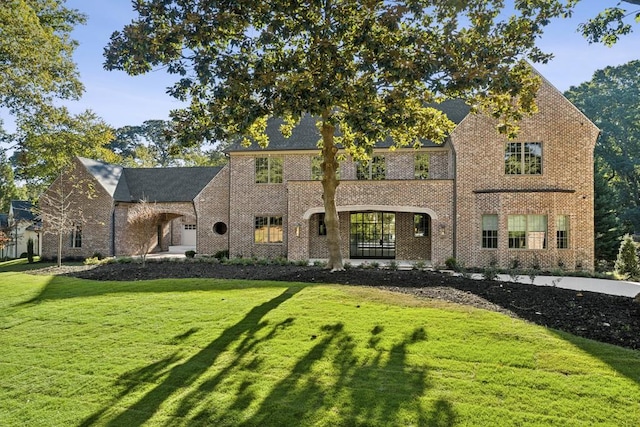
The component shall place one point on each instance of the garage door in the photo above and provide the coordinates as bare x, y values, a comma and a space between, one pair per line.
189, 235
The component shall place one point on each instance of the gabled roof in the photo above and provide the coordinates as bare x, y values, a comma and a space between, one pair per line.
305, 136
22, 210
163, 184
106, 174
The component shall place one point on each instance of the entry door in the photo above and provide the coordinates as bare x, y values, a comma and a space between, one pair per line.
189, 235
373, 235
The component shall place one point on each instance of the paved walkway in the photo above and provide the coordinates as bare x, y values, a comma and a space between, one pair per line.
603, 286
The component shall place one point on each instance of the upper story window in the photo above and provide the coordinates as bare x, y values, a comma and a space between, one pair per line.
421, 166
268, 170
316, 169
523, 158
374, 170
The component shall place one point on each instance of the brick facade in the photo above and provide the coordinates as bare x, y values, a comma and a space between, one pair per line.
466, 180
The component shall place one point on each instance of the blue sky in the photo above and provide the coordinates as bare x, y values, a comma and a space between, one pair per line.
123, 100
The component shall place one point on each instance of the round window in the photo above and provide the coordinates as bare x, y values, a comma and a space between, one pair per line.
220, 228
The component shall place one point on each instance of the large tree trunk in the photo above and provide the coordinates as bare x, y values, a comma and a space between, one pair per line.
329, 186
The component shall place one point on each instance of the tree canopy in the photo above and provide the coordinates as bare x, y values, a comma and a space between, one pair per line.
611, 99
36, 64
610, 24
371, 69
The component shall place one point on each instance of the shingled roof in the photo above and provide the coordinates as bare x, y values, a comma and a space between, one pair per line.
22, 210
106, 174
163, 184
305, 136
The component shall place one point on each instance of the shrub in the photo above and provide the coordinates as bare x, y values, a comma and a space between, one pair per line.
221, 254
190, 254
30, 250
451, 263
419, 265
92, 261
393, 265
490, 273
97, 255
627, 261
23, 255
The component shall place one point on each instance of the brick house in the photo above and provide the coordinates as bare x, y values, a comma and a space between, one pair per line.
478, 197
22, 225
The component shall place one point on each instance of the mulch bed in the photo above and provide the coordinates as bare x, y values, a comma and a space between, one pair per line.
601, 317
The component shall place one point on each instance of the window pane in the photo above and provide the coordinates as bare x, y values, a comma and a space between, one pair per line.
517, 226
260, 231
537, 222
421, 166
421, 225
532, 158
517, 223
262, 170
275, 174
490, 231
363, 171
275, 230
378, 168
513, 159
562, 231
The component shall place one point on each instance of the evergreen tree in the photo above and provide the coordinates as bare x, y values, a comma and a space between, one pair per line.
627, 262
607, 227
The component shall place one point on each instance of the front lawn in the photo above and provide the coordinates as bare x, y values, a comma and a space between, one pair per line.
184, 352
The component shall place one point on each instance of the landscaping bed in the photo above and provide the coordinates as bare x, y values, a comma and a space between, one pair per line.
601, 317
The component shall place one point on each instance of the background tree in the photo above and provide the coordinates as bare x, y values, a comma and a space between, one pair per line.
48, 141
627, 265
60, 207
607, 227
611, 99
371, 69
152, 145
611, 23
143, 219
8, 189
36, 66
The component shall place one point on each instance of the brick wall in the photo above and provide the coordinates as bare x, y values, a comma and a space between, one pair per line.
212, 207
89, 204
565, 186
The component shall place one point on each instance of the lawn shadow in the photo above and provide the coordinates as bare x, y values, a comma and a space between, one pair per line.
63, 287
184, 374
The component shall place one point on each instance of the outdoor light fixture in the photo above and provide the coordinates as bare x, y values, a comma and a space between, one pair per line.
297, 230
442, 229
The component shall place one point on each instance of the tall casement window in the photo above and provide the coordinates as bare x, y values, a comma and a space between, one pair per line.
374, 170
562, 232
523, 158
268, 170
316, 169
421, 225
322, 227
527, 231
76, 236
268, 229
490, 231
421, 166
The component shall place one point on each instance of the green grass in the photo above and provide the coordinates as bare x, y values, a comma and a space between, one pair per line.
240, 353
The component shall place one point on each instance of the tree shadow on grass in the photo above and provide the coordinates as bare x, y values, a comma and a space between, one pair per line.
61, 287
184, 374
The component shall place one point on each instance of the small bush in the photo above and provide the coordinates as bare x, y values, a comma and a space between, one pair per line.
452, 264
97, 255
125, 260
23, 255
221, 254
302, 263
490, 273
30, 250
419, 265
318, 263
393, 265
92, 261
190, 254
627, 261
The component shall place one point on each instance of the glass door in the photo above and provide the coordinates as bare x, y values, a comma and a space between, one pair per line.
373, 235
